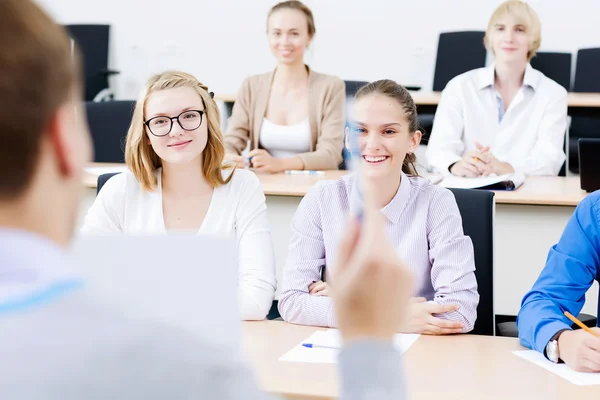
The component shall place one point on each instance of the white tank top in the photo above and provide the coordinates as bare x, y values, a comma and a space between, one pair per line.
285, 140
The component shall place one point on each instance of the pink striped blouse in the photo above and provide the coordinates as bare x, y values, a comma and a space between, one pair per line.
423, 222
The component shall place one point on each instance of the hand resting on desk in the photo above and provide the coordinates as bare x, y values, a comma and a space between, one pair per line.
420, 319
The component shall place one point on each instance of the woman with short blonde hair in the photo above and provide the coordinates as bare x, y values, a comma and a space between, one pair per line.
505, 118
523, 15
176, 181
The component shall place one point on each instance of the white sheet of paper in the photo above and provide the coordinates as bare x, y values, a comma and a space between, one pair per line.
105, 170
562, 370
333, 338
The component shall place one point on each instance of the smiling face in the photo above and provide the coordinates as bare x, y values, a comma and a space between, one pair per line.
288, 35
383, 136
180, 145
510, 40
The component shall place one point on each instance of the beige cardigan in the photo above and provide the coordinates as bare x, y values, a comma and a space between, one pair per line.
326, 102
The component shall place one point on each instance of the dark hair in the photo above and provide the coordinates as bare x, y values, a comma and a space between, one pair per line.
300, 6
39, 74
391, 89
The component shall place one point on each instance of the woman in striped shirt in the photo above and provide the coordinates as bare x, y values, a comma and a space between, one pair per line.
422, 220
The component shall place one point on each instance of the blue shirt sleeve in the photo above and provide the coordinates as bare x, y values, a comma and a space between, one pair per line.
571, 267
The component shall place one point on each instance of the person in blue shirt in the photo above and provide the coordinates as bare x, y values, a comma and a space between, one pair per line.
571, 268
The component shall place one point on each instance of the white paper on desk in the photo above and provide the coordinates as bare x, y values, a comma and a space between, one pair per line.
105, 170
333, 338
459, 182
562, 370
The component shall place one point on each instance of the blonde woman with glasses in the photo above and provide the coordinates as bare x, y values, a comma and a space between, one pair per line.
507, 117
176, 181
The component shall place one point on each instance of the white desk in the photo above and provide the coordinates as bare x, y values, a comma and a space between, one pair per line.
528, 222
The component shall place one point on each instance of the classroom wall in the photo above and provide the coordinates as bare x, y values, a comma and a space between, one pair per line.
223, 41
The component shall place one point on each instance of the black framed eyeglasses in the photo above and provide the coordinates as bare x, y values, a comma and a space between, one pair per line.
187, 120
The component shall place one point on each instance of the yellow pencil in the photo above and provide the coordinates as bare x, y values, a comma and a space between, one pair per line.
580, 324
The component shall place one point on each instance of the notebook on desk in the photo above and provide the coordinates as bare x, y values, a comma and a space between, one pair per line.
492, 182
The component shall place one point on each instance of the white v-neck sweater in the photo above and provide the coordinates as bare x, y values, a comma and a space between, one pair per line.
236, 209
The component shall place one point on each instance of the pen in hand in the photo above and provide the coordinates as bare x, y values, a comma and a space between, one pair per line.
577, 322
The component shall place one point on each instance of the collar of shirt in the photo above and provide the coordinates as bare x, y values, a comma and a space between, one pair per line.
393, 210
32, 268
487, 77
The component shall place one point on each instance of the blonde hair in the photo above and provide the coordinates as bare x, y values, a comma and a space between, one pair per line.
141, 158
525, 15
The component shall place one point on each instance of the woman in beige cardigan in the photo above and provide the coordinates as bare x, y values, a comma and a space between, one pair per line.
293, 116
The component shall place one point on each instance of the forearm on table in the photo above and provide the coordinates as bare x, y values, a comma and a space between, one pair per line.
467, 309
442, 160
321, 160
254, 301
538, 320
291, 163
301, 308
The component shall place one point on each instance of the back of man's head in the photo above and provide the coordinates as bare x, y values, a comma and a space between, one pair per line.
38, 75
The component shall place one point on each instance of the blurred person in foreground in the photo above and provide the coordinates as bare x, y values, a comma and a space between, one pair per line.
55, 343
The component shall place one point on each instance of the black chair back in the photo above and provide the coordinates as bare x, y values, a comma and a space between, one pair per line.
92, 41
274, 311
477, 212
586, 71
457, 52
102, 179
556, 66
109, 122
353, 86
586, 81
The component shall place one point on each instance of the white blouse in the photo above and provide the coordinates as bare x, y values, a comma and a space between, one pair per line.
236, 209
529, 136
285, 140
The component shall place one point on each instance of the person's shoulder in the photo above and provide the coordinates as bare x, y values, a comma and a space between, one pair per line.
119, 331
121, 183
241, 186
139, 355
591, 202
423, 190
334, 188
331, 82
550, 87
329, 193
258, 79
469, 78
240, 178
